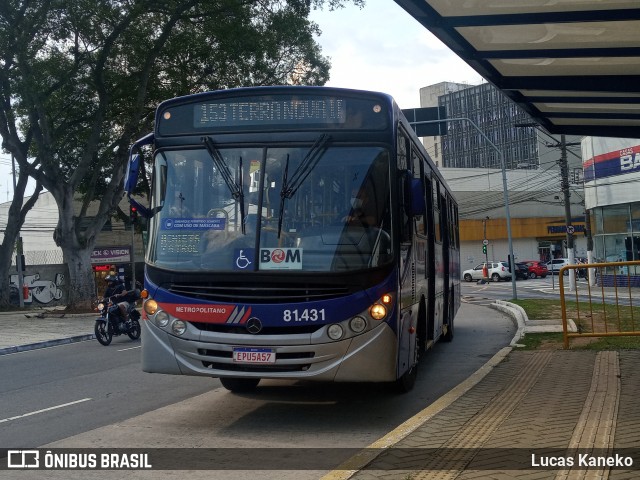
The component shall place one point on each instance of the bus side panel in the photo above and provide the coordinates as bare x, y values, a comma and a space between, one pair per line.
406, 339
157, 353
438, 297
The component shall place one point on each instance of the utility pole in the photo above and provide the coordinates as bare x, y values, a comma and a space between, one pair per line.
19, 244
591, 277
564, 176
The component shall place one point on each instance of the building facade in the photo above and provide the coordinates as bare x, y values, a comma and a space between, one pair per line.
611, 180
464, 146
538, 220
472, 166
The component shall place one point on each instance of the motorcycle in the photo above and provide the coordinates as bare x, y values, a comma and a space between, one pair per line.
111, 322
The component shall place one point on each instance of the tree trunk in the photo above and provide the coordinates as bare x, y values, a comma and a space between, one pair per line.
6, 254
77, 247
81, 284
15, 219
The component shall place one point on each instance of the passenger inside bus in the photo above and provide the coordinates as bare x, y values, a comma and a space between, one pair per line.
362, 211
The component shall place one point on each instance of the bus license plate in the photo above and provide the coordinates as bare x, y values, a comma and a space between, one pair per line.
254, 355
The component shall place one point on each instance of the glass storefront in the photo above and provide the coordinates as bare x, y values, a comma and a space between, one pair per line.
617, 235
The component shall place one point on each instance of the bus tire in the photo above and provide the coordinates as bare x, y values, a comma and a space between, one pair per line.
408, 379
422, 327
447, 337
240, 385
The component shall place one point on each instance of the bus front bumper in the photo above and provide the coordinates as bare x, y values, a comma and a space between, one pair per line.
369, 357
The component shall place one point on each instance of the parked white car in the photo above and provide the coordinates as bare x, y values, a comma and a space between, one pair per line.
497, 271
556, 264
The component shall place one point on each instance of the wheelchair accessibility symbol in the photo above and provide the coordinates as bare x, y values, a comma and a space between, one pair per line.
243, 261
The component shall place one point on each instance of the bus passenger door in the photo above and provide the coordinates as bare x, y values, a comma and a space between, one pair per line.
429, 254
446, 264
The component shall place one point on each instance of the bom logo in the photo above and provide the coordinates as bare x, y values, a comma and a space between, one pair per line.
272, 258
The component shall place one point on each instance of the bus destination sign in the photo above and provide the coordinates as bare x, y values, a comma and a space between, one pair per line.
270, 111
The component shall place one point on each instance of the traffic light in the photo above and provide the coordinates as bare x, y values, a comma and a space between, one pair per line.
484, 249
133, 214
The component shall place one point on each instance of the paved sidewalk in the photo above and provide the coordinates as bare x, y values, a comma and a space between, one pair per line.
38, 328
555, 414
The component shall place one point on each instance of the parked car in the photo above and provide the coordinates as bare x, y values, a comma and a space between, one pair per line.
522, 271
556, 264
497, 271
536, 268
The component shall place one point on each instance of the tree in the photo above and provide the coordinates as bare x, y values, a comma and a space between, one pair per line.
81, 79
16, 216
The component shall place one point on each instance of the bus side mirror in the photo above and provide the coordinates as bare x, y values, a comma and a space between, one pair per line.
131, 176
417, 197
135, 161
133, 170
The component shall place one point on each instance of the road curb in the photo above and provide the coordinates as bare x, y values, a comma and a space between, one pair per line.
359, 461
517, 313
46, 343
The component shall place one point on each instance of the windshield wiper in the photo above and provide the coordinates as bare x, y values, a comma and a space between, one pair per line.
306, 166
308, 163
236, 190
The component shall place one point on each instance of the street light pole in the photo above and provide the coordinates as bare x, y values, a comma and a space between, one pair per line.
564, 174
485, 240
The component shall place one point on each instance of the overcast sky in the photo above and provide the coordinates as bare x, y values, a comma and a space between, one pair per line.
382, 48
379, 47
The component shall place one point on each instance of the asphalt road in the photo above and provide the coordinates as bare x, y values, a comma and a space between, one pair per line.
77, 387
532, 288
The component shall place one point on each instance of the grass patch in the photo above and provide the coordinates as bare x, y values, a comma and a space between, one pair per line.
539, 341
608, 343
594, 317
554, 341
540, 309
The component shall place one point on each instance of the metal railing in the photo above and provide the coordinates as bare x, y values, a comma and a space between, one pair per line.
604, 305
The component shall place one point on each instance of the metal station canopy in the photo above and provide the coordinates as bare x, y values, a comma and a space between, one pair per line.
573, 65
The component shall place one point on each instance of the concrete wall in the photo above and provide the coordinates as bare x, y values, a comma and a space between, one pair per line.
47, 285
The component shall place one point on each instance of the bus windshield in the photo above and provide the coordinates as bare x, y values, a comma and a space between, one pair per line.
315, 207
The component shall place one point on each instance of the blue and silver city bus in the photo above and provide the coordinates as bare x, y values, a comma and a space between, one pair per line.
294, 233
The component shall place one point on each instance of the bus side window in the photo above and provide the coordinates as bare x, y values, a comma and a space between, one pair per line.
404, 190
418, 173
426, 180
437, 232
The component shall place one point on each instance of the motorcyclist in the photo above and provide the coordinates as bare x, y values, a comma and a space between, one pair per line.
116, 290
114, 286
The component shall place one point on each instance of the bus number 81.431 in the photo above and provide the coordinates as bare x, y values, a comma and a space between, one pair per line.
304, 315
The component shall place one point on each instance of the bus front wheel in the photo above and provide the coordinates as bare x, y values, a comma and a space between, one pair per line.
240, 384
408, 379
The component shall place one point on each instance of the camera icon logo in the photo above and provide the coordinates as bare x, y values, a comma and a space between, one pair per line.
23, 459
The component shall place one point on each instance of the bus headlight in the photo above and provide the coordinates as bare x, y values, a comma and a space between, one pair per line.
335, 332
179, 327
378, 311
150, 306
357, 324
162, 319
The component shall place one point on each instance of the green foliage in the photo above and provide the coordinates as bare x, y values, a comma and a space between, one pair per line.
80, 79
88, 74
